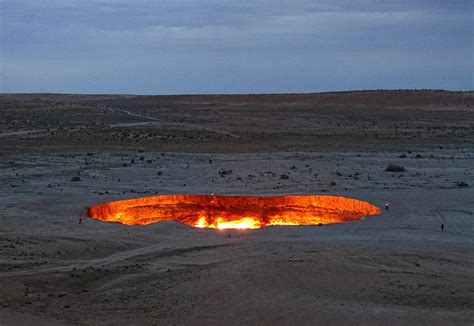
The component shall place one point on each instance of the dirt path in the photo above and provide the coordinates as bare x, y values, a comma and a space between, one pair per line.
157, 120
158, 251
21, 133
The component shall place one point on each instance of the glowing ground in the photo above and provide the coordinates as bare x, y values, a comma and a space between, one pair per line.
234, 212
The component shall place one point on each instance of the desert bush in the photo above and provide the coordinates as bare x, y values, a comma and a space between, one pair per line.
462, 184
224, 172
394, 168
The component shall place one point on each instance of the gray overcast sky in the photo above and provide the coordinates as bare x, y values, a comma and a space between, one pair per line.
228, 46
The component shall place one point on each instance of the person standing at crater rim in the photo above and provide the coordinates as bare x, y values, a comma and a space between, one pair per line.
386, 206
211, 202
442, 226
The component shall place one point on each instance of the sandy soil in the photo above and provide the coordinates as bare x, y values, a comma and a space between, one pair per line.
396, 268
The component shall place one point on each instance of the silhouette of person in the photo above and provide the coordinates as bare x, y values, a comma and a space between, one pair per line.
442, 227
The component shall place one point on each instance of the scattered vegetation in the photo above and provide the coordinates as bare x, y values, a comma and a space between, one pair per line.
224, 172
462, 184
394, 168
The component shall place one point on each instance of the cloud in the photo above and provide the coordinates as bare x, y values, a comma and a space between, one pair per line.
72, 36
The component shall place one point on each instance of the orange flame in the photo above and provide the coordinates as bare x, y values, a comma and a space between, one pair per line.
236, 212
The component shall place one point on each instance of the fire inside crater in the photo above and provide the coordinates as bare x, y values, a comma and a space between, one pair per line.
237, 212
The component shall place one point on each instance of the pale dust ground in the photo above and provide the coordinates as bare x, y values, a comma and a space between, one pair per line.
396, 268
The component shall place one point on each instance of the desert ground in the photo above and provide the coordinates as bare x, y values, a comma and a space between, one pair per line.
59, 154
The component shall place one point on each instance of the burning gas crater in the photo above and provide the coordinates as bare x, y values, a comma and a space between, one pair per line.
237, 212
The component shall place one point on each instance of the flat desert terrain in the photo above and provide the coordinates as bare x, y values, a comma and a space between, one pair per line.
60, 154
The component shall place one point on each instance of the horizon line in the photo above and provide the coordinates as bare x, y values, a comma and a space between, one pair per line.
251, 94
